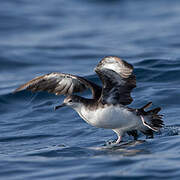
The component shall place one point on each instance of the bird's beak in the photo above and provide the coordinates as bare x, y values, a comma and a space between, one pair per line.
57, 107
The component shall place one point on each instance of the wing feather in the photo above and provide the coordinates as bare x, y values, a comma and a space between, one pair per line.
60, 84
118, 80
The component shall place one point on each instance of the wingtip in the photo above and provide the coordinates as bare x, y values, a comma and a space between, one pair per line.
15, 91
18, 89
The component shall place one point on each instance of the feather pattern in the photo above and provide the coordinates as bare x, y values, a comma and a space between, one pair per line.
60, 84
118, 80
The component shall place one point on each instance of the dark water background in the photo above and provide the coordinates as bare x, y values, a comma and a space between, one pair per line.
38, 37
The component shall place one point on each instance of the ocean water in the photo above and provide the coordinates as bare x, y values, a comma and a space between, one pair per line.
39, 37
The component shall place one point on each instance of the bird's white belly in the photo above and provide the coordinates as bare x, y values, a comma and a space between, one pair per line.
110, 117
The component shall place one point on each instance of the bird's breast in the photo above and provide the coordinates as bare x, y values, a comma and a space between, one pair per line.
110, 117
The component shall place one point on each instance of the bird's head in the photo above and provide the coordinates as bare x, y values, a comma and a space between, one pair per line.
72, 101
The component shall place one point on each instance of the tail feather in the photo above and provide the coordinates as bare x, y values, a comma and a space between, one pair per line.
133, 133
155, 118
151, 119
154, 111
147, 105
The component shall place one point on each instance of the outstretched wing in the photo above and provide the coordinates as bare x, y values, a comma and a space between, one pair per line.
60, 84
118, 80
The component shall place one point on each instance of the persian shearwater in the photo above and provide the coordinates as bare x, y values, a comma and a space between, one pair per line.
108, 107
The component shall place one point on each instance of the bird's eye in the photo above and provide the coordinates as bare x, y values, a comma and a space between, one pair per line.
70, 100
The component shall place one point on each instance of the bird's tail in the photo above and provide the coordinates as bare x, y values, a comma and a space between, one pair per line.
152, 121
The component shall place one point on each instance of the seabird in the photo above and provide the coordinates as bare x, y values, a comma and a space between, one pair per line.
108, 107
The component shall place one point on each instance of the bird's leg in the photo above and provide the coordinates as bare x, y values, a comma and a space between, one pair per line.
119, 139
115, 142
147, 125
119, 134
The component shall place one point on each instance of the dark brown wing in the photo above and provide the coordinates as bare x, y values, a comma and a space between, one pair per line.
118, 80
60, 84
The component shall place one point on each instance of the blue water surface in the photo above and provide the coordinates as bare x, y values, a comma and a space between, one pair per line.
39, 37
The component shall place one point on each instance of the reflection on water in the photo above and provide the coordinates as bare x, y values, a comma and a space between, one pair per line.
130, 148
